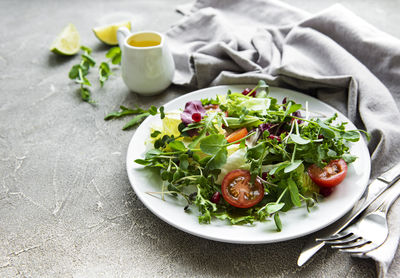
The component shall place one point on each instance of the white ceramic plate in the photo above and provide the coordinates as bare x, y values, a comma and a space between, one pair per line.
296, 222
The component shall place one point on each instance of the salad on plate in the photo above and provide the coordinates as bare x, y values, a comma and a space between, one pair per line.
244, 157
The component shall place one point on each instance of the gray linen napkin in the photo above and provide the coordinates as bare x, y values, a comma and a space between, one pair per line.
333, 55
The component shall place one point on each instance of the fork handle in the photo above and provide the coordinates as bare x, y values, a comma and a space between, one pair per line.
374, 190
392, 196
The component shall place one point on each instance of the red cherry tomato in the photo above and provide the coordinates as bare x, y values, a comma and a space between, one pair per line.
238, 191
329, 176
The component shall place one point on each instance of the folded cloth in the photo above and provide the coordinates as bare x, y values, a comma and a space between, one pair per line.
333, 55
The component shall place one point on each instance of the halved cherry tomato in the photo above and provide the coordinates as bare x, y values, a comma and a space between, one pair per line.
237, 135
329, 176
238, 191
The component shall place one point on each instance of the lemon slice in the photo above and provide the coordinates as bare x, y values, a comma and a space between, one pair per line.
108, 34
68, 42
168, 126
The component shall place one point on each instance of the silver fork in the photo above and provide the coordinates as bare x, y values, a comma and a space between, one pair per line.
369, 232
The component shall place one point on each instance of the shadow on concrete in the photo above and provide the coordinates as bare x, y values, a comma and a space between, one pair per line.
55, 60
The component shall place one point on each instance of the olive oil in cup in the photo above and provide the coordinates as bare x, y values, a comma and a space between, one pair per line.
137, 43
147, 63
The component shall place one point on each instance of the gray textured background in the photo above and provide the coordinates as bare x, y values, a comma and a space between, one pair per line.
66, 205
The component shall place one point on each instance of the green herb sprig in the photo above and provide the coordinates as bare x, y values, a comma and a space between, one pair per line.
79, 72
114, 57
140, 114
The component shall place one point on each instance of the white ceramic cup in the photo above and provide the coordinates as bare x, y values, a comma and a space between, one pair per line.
146, 70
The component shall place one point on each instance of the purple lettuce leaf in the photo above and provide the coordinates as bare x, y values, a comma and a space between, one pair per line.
192, 107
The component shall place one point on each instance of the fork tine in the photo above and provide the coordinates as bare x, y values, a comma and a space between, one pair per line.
343, 241
360, 250
335, 236
358, 243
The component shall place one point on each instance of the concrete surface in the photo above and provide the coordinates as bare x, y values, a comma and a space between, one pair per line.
66, 205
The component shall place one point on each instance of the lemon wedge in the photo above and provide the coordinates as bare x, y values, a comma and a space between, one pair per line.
168, 126
108, 34
171, 123
68, 42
